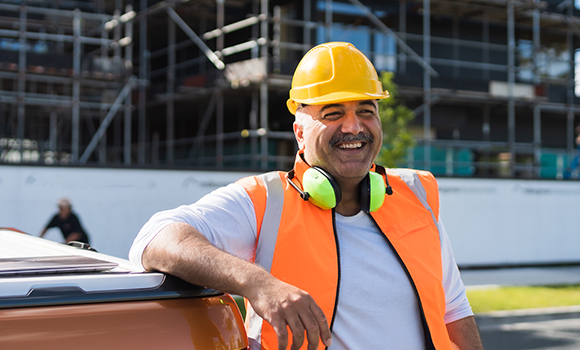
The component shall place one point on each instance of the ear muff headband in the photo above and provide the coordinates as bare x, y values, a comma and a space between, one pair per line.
322, 187
365, 194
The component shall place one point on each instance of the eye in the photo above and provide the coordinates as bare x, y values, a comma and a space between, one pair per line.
367, 113
335, 115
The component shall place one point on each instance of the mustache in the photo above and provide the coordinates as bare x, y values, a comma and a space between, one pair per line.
363, 137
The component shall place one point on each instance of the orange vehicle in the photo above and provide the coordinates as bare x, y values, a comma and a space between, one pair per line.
56, 296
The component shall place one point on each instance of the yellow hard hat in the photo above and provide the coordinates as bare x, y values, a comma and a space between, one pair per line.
334, 72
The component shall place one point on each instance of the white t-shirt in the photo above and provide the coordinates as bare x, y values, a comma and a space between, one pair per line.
377, 307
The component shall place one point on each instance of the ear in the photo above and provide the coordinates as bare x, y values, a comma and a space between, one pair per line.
299, 134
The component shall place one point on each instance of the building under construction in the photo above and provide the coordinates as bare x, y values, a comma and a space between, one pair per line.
203, 83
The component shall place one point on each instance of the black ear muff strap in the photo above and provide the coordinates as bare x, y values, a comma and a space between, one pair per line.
381, 170
289, 177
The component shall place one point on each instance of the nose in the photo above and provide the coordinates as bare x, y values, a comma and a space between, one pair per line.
351, 123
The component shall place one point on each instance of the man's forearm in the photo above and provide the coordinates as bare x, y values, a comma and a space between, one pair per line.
464, 334
181, 250
75, 236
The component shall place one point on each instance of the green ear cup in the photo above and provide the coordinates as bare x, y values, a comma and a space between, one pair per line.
324, 192
377, 189
320, 188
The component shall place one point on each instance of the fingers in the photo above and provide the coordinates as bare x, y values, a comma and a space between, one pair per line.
291, 314
298, 337
312, 332
288, 308
322, 325
282, 333
312, 320
298, 325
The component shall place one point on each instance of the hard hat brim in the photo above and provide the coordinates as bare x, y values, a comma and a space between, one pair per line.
335, 97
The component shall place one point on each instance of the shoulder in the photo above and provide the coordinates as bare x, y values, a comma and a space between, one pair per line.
411, 176
73, 218
54, 220
261, 180
229, 204
422, 183
232, 194
257, 186
427, 178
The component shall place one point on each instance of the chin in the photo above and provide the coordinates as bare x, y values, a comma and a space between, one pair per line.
356, 173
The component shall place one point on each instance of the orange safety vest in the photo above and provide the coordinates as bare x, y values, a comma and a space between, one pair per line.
297, 243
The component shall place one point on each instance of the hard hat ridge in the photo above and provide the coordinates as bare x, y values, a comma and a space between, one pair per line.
334, 72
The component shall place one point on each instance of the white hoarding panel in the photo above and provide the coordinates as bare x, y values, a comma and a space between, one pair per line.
489, 222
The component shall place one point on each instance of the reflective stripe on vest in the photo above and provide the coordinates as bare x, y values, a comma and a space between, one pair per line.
268, 234
399, 234
414, 182
270, 226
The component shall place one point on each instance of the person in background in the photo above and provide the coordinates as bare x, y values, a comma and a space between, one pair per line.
339, 252
68, 222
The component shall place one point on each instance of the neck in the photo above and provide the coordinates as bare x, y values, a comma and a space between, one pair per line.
350, 203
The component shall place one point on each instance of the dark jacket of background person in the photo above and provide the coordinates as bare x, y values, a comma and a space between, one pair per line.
68, 222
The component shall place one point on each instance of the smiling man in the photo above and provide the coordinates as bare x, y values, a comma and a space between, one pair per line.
338, 252
343, 139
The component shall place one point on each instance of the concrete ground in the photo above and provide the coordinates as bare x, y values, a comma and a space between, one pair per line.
537, 329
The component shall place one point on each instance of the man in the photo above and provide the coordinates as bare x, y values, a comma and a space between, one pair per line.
338, 252
68, 222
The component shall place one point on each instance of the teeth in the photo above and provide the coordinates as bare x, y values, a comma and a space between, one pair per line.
351, 145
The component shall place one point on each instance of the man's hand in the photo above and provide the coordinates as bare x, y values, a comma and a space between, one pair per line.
283, 305
181, 250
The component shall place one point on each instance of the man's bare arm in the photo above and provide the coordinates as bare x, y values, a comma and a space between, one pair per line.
464, 334
181, 250
75, 236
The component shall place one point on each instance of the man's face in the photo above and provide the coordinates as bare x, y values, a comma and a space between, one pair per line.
63, 211
342, 138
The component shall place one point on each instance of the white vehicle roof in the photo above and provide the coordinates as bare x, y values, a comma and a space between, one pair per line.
18, 250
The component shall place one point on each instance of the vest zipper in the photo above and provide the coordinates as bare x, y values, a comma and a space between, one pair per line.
338, 263
426, 332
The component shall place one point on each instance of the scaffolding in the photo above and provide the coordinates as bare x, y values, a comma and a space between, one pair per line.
60, 70
203, 83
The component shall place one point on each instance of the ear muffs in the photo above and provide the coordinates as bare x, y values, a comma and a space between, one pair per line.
322, 188
372, 192
324, 192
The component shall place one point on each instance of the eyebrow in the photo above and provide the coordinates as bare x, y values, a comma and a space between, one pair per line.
367, 102
332, 105
325, 107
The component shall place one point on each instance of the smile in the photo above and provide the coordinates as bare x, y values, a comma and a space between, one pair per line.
350, 141
351, 145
